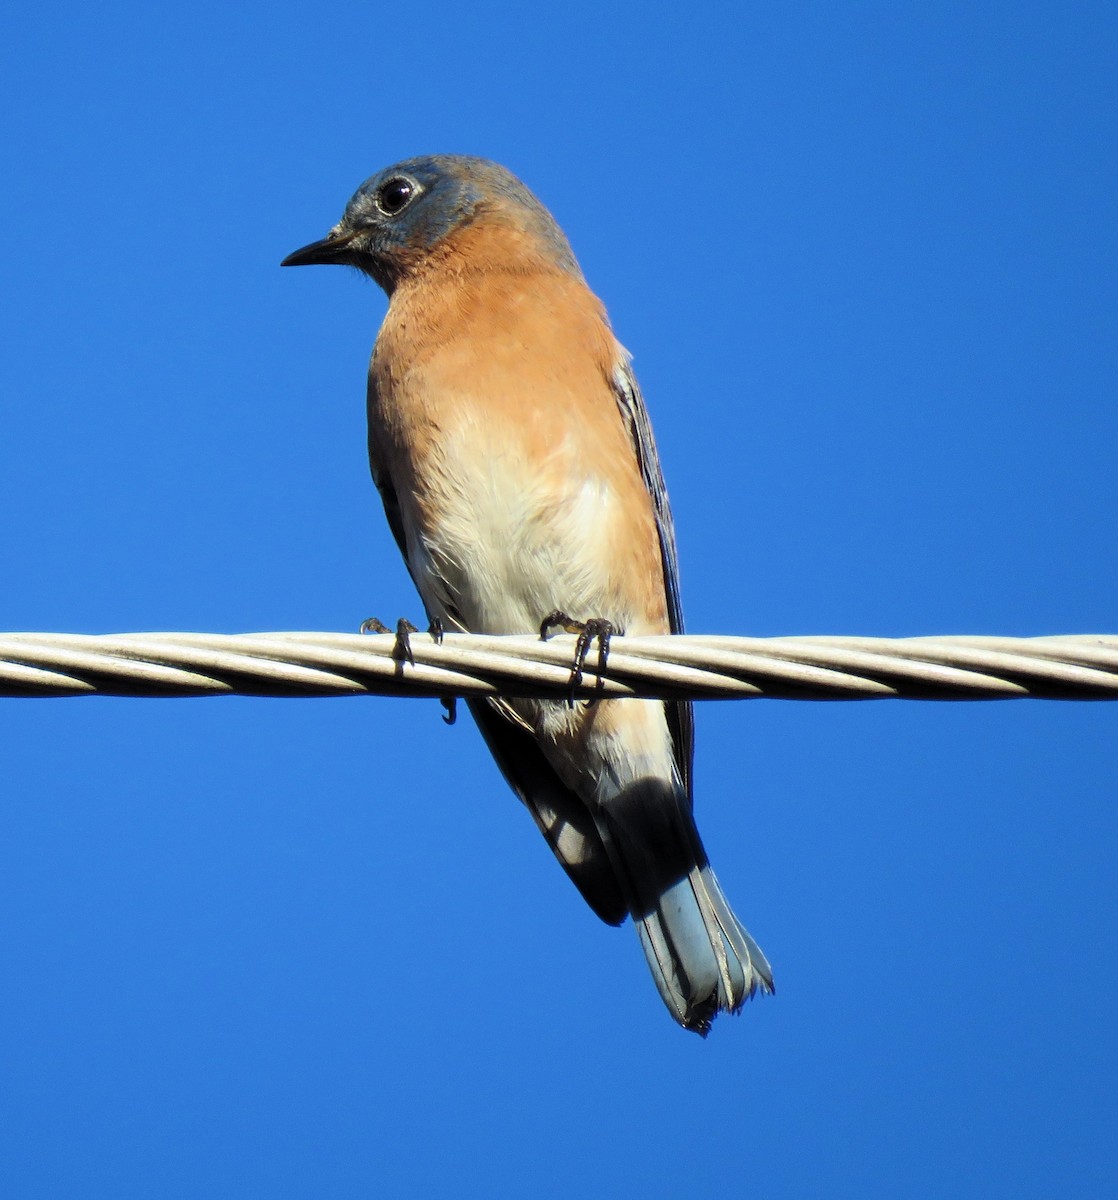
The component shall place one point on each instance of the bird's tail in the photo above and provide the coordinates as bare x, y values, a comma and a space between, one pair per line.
701, 956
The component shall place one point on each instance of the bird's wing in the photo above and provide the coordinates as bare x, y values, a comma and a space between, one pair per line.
635, 414
560, 814
391, 504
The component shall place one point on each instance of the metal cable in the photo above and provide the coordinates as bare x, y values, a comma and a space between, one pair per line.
698, 667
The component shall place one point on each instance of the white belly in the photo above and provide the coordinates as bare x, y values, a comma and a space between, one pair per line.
503, 545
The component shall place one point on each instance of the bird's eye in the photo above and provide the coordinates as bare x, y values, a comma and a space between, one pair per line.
394, 196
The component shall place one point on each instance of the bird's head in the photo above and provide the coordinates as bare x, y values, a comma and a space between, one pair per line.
400, 216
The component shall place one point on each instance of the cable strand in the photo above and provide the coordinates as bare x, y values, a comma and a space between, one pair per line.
697, 667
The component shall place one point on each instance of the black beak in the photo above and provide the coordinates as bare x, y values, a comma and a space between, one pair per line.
334, 248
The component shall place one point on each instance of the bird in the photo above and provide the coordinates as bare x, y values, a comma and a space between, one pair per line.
514, 456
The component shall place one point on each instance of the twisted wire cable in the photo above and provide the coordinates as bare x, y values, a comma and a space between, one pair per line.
697, 667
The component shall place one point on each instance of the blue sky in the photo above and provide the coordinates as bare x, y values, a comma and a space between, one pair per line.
864, 256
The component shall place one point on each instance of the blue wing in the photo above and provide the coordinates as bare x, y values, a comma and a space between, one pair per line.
635, 414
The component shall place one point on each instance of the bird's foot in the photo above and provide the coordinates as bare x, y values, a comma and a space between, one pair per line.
595, 629
401, 651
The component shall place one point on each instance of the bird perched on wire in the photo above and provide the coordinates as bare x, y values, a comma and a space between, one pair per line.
514, 455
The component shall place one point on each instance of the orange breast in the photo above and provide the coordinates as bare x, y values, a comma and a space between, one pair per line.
492, 411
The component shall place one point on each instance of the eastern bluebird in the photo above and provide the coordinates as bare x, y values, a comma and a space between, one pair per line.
514, 456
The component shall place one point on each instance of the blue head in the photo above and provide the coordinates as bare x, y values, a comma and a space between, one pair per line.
402, 213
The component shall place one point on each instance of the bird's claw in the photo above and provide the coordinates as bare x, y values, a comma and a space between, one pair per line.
401, 649
595, 629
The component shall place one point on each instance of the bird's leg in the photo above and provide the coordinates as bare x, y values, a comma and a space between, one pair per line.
595, 629
401, 651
